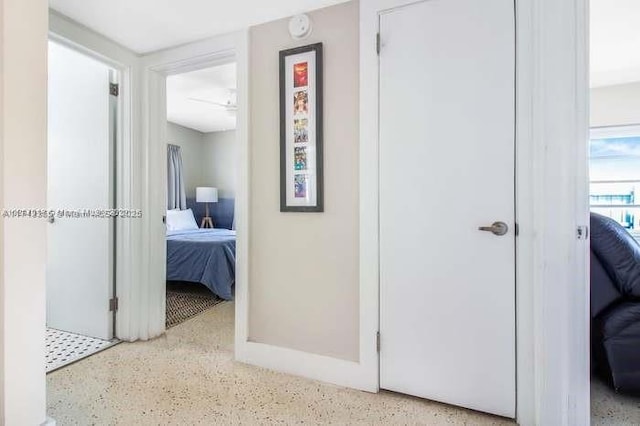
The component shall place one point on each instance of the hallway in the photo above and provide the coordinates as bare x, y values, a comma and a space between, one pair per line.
189, 377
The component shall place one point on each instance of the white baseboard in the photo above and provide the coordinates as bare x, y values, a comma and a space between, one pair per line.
312, 366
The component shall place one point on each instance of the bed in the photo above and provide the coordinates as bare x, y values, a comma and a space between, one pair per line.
206, 256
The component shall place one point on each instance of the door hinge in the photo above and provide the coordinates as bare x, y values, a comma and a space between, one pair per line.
114, 89
516, 229
378, 341
113, 304
378, 43
582, 232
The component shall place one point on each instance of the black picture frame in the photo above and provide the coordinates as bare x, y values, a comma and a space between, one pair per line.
315, 107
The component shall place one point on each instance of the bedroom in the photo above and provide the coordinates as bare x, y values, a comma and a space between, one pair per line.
201, 178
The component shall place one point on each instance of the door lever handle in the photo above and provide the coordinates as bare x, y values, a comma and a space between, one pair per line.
497, 228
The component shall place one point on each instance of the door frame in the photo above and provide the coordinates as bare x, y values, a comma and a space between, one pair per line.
552, 292
156, 67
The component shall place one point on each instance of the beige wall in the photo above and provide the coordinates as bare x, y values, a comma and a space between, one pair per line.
615, 105
190, 143
219, 162
23, 167
304, 266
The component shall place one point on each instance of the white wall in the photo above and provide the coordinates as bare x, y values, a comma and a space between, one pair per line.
190, 141
303, 286
23, 170
220, 162
3, 389
615, 105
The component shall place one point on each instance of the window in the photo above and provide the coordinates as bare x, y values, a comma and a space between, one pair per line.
614, 168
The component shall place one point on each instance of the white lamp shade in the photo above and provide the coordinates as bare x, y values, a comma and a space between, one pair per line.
206, 194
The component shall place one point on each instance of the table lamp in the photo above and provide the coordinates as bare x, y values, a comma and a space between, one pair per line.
206, 194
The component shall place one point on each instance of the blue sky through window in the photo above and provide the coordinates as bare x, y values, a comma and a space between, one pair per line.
614, 169
615, 147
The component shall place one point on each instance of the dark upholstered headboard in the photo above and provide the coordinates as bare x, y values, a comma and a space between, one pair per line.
221, 212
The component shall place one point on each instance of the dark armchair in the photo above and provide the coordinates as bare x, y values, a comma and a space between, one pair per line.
615, 304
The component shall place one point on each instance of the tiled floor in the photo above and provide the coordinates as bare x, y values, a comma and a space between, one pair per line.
189, 377
64, 348
612, 409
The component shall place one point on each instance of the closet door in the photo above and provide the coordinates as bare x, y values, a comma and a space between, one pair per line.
80, 279
447, 259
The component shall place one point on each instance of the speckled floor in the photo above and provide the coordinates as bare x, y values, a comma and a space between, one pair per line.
612, 409
189, 377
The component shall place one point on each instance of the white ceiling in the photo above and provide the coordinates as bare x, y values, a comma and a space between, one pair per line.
615, 42
148, 25
191, 97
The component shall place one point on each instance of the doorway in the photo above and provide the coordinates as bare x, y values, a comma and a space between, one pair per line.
201, 185
614, 188
80, 195
157, 67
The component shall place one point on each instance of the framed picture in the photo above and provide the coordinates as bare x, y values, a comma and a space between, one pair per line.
301, 180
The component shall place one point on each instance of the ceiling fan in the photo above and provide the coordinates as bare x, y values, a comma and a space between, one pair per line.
230, 106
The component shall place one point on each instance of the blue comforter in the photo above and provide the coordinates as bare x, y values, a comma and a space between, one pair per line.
206, 256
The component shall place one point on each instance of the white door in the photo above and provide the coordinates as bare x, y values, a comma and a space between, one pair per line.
80, 157
447, 168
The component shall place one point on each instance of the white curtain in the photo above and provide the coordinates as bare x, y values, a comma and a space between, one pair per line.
176, 195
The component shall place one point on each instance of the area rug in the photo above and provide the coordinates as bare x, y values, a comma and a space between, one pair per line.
185, 301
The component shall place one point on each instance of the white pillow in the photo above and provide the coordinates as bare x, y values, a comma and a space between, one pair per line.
181, 220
